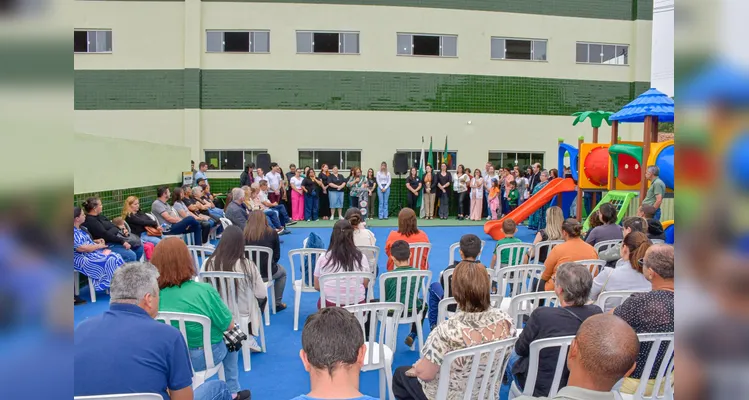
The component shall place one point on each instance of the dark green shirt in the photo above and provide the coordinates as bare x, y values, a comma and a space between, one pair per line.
504, 258
391, 288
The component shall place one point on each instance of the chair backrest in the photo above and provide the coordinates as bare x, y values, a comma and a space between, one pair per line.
381, 328
517, 252
489, 358
181, 318
347, 286
526, 303
372, 253
225, 222
254, 253
419, 253
227, 285
563, 344
520, 278
594, 266
416, 283
606, 244
664, 367
546, 244
612, 299
447, 279
306, 259
454, 252
200, 255
127, 396
443, 314
657, 241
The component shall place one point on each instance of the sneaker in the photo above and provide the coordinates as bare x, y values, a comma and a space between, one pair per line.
308, 220
243, 395
285, 232
254, 347
290, 223
410, 339
77, 300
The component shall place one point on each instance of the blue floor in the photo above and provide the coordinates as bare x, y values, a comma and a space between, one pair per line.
279, 374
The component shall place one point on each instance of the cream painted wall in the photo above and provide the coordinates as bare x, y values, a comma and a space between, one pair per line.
154, 126
379, 134
108, 163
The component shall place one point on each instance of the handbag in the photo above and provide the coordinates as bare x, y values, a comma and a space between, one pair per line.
151, 231
233, 338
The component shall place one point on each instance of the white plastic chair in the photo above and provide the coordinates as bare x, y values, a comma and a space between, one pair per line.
517, 252
546, 244
606, 244
226, 284
418, 250
128, 396
310, 256
77, 284
526, 303
612, 299
594, 266
657, 241
446, 276
456, 246
225, 222
411, 313
198, 377
521, 278
346, 283
372, 253
561, 343
492, 361
254, 253
200, 255
443, 314
664, 377
381, 342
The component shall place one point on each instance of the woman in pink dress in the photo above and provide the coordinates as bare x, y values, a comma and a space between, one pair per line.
297, 196
477, 195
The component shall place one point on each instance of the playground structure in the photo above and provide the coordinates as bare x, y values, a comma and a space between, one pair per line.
616, 167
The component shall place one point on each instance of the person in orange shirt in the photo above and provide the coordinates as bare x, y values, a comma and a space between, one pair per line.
408, 231
573, 249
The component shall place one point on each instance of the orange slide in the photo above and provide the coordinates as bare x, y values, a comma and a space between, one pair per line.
520, 214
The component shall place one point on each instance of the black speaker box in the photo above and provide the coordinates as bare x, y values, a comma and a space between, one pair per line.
400, 163
263, 162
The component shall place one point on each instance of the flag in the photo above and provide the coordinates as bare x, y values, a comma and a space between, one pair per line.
445, 156
419, 202
431, 154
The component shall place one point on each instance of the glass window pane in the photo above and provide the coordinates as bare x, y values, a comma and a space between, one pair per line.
91, 41
538, 158
350, 43
261, 42
306, 159
237, 42
581, 53
609, 54
426, 45
524, 160
498, 48
330, 157
517, 49
595, 53
404, 44
232, 159
80, 41
539, 50
495, 158
304, 42
449, 46
214, 41
622, 54
326, 42
213, 159
353, 159
103, 41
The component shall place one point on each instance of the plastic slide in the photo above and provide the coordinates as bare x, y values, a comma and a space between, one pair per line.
520, 214
620, 199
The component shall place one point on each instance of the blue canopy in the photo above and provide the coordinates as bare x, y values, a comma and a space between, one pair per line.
720, 82
649, 104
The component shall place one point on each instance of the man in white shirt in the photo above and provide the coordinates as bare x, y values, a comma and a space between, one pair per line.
274, 183
260, 175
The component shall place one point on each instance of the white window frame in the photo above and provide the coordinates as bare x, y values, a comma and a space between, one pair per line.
341, 46
616, 49
543, 153
341, 157
533, 47
250, 32
88, 45
244, 161
442, 37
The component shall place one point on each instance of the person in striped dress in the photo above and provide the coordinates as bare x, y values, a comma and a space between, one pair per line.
92, 258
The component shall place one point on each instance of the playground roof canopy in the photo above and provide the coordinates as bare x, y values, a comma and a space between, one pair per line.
720, 82
652, 103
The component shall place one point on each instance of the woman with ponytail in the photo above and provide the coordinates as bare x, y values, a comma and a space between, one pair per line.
627, 275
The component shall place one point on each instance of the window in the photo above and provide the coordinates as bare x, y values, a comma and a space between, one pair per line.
518, 49
237, 41
231, 159
95, 41
508, 159
414, 158
597, 53
427, 45
344, 159
327, 42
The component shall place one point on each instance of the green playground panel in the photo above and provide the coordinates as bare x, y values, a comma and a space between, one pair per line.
618, 198
628, 149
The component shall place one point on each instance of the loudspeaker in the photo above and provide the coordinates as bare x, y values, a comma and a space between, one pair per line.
263, 162
400, 163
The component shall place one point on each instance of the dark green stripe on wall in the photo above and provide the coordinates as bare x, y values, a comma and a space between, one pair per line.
344, 90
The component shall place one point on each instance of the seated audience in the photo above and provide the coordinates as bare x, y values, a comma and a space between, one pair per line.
509, 228
573, 249
171, 223
258, 233
573, 283
408, 230
231, 257
400, 253
609, 230
92, 257
553, 231
655, 229
470, 248
253, 203
476, 323
603, 352
100, 227
362, 235
199, 203
629, 225
280, 210
235, 210
342, 256
594, 220
129, 323
179, 292
627, 275
178, 203
651, 312
138, 221
333, 354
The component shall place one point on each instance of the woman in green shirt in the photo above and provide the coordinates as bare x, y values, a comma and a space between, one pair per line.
180, 293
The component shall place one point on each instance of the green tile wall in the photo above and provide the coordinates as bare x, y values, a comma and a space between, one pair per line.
112, 200
344, 90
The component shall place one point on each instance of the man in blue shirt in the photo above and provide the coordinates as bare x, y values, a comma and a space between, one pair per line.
202, 167
125, 350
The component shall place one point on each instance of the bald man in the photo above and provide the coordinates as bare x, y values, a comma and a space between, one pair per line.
604, 351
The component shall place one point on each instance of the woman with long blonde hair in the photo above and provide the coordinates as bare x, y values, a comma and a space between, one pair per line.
553, 231
137, 220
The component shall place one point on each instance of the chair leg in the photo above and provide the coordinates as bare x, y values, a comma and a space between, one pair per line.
266, 313
389, 378
76, 283
246, 354
383, 385
420, 334
273, 297
92, 290
297, 304
221, 374
262, 337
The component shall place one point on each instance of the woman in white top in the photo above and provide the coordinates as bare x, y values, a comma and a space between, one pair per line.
627, 275
461, 190
362, 235
297, 196
342, 256
522, 182
383, 190
477, 195
229, 256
